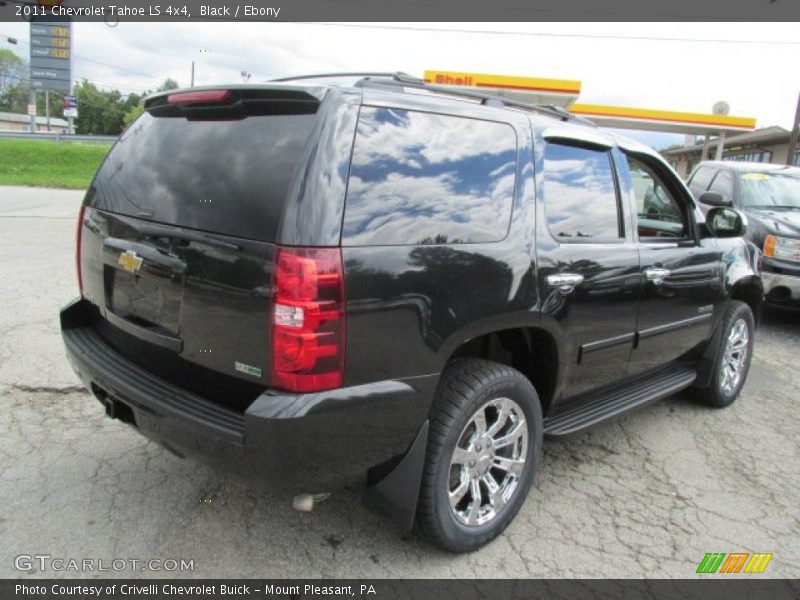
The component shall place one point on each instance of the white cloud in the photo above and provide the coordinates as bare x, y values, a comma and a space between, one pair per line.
446, 139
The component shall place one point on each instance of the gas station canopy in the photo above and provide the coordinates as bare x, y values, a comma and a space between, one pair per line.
565, 92
533, 90
662, 120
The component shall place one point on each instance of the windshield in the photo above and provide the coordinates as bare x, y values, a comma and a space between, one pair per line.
765, 190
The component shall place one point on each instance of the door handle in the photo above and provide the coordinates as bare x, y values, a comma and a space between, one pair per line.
656, 275
565, 282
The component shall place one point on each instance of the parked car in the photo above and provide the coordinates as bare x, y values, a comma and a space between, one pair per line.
769, 195
652, 200
395, 283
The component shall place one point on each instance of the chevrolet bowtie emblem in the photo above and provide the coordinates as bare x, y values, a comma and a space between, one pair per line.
129, 261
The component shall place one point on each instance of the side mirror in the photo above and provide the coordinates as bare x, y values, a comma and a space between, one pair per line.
724, 222
714, 199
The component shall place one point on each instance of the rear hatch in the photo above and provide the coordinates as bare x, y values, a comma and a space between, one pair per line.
177, 236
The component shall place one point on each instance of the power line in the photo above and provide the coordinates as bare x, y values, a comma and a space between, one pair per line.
596, 36
91, 60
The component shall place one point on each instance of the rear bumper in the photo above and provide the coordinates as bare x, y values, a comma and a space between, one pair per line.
305, 442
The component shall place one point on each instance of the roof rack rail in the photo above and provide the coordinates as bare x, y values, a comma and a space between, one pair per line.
567, 114
398, 76
405, 80
401, 79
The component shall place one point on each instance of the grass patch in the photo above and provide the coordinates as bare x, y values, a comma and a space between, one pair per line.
48, 164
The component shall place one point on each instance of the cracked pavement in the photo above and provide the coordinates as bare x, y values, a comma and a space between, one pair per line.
644, 495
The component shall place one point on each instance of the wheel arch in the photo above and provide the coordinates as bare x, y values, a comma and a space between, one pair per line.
531, 350
749, 290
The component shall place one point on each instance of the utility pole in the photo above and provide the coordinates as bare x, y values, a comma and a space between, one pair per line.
192, 75
71, 120
793, 137
32, 102
47, 108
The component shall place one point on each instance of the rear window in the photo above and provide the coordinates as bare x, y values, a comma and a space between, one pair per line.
421, 178
228, 177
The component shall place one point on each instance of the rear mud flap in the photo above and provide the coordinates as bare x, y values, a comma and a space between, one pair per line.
395, 494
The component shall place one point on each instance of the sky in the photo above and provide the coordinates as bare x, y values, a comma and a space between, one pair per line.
751, 66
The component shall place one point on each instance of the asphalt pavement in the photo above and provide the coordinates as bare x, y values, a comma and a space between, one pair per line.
645, 495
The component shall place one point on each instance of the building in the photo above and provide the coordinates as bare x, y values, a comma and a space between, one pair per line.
769, 145
18, 122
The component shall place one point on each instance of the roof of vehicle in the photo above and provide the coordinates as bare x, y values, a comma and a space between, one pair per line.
742, 166
555, 121
544, 116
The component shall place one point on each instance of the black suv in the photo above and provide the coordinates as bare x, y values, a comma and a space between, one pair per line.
769, 196
398, 283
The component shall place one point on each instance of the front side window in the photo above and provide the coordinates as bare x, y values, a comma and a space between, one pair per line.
723, 184
422, 178
658, 214
580, 195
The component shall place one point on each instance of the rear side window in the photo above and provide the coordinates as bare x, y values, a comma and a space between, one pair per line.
223, 176
580, 194
421, 178
700, 180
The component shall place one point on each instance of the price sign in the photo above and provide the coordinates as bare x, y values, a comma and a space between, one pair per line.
51, 55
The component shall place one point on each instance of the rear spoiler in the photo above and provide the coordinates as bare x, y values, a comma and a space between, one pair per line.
235, 102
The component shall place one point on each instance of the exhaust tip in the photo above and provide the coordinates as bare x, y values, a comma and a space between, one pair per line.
305, 502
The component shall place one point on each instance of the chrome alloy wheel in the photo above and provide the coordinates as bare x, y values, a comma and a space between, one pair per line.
734, 360
488, 461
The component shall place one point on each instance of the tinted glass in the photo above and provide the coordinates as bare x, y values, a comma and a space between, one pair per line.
723, 183
658, 214
227, 177
579, 194
700, 180
419, 178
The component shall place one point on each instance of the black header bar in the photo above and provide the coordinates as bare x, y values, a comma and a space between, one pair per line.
113, 11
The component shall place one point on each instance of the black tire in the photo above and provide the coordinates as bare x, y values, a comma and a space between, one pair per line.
714, 393
467, 385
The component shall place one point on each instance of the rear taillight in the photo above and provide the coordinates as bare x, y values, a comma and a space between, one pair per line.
308, 334
78, 238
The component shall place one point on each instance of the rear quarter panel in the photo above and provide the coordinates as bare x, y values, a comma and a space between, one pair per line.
410, 306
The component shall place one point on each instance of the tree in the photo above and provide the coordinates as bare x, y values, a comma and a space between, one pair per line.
12, 68
132, 114
169, 84
14, 98
99, 112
